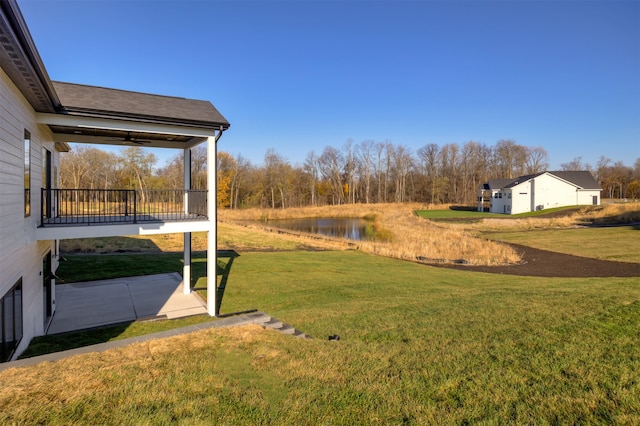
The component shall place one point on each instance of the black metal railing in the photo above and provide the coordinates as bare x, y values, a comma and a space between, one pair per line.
116, 206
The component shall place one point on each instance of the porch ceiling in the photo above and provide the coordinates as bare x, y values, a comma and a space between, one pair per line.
124, 132
122, 137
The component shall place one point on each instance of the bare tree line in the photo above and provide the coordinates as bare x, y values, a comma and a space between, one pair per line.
365, 172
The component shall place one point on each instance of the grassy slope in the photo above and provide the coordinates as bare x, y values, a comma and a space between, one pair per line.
418, 345
470, 214
616, 243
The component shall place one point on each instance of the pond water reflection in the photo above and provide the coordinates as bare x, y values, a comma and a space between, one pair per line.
341, 227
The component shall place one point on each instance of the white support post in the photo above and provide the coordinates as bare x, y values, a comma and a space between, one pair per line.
212, 235
186, 268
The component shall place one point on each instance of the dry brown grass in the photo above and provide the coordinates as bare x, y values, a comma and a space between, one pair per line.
613, 213
71, 379
413, 238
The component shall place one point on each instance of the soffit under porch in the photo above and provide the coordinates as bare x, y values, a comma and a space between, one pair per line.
119, 132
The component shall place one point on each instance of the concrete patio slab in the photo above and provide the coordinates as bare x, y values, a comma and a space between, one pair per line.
97, 303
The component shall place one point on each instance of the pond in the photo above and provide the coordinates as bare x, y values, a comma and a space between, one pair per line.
341, 227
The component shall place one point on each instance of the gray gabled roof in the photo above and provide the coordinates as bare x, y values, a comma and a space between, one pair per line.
520, 179
497, 183
581, 178
100, 101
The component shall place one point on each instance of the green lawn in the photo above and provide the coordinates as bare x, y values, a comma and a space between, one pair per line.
621, 243
419, 345
456, 214
76, 268
444, 215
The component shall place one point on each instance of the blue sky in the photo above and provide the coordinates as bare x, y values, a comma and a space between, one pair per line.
297, 76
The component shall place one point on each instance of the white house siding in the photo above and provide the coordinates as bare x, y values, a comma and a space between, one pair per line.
521, 198
585, 197
550, 192
20, 254
497, 203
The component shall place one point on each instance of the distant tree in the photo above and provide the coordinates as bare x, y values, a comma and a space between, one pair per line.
449, 163
331, 164
471, 163
349, 171
380, 171
310, 168
199, 167
429, 155
365, 156
172, 173
510, 158
135, 169
226, 169
85, 167
573, 165
277, 173
537, 160
239, 180
402, 165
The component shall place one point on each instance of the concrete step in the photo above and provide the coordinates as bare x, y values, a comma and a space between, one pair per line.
301, 335
258, 317
274, 323
287, 329
284, 328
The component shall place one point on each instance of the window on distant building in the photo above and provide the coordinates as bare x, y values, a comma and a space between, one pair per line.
10, 321
27, 174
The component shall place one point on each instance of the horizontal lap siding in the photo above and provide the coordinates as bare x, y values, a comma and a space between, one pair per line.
20, 254
12, 222
552, 192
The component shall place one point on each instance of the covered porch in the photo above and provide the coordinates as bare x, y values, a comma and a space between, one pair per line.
97, 115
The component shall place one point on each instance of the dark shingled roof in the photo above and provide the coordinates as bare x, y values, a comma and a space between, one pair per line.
497, 183
582, 178
100, 101
521, 179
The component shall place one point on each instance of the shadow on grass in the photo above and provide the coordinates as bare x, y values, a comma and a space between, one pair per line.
225, 262
464, 208
74, 339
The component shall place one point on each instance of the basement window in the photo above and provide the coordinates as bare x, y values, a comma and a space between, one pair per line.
10, 321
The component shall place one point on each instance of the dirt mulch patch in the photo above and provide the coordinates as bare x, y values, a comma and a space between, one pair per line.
543, 263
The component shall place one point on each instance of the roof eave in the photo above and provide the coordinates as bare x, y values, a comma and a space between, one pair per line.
80, 112
21, 32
